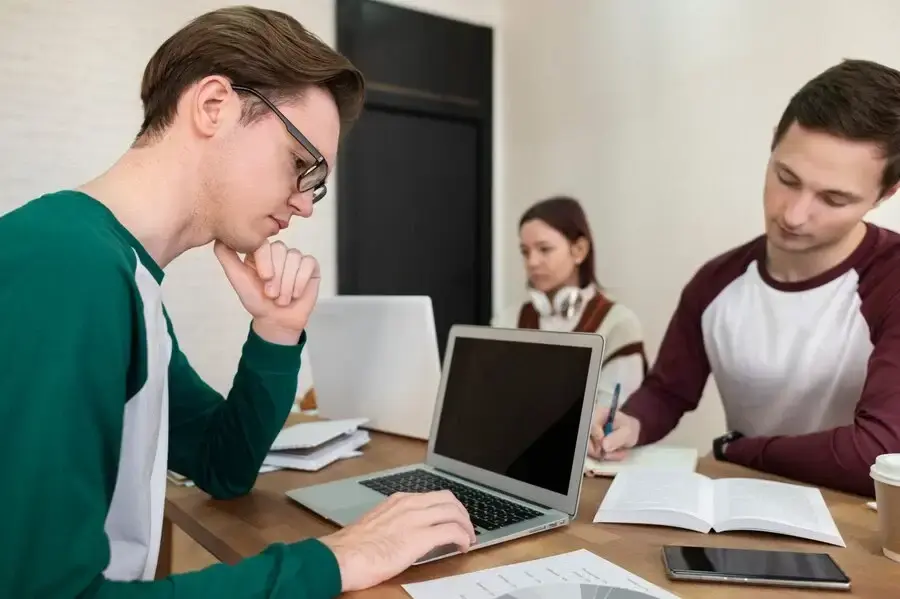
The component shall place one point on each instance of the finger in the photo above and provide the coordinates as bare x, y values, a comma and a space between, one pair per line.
289, 277
444, 534
464, 518
262, 261
467, 519
442, 513
426, 500
279, 255
310, 292
594, 448
616, 456
384, 506
448, 498
309, 268
419, 502
237, 273
601, 414
616, 440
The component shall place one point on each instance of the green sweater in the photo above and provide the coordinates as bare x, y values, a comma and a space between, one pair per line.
97, 401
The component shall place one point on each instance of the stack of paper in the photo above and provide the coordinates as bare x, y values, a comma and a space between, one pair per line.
314, 445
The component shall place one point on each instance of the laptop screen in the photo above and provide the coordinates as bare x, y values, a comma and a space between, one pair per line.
513, 408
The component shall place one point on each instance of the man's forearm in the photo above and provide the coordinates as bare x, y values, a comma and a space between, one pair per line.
305, 570
675, 383
221, 444
839, 458
657, 412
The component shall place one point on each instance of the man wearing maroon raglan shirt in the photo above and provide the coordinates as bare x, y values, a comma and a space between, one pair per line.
800, 327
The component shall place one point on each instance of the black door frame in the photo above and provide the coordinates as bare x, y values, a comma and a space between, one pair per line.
391, 98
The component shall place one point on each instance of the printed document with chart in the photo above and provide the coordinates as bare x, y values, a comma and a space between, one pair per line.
575, 575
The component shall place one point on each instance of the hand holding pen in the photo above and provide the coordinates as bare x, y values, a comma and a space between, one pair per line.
608, 427
613, 432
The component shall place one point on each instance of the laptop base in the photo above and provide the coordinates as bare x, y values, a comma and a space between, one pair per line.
345, 501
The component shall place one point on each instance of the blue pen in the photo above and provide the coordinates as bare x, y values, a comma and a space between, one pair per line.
607, 428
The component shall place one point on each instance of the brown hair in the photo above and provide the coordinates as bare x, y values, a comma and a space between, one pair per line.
858, 100
566, 215
260, 48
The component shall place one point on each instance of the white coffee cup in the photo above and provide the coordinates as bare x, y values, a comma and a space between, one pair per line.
886, 474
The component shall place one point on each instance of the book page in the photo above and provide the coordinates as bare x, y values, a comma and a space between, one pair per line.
660, 497
776, 507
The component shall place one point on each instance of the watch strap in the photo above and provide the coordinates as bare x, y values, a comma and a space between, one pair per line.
721, 443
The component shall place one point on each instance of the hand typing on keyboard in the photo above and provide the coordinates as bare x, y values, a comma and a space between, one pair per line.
391, 537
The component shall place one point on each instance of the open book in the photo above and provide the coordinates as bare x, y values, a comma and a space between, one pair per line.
694, 502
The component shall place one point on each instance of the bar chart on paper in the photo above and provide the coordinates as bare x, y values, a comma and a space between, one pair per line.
575, 575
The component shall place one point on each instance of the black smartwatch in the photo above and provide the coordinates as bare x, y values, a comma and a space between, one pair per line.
720, 443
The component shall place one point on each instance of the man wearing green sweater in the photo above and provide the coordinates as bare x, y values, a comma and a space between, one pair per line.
243, 110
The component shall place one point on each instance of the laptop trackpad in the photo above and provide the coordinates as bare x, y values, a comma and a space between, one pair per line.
348, 515
350, 507
340, 503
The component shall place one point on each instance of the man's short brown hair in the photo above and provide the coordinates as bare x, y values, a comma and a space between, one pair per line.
857, 100
260, 48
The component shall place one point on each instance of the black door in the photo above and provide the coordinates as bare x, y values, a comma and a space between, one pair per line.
414, 202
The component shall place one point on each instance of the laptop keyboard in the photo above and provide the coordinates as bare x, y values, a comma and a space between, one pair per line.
486, 511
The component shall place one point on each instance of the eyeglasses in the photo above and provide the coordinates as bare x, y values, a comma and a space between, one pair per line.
313, 177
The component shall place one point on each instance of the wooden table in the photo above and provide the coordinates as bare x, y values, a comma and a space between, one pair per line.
235, 529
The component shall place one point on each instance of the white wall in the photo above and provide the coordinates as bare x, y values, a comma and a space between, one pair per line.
71, 107
658, 115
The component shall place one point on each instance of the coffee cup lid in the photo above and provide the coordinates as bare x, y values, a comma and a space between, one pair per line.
886, 469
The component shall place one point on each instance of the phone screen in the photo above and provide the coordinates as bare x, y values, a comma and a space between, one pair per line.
750, 563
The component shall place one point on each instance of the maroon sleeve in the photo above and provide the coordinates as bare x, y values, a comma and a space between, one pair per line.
840, 458
675, 383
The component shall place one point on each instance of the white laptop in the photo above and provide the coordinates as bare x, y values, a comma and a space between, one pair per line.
509, 436
376, 357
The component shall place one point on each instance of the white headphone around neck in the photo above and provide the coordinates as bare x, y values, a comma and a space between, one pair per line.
565, 303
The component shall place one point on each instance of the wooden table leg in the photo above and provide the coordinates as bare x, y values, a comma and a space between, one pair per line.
164, 564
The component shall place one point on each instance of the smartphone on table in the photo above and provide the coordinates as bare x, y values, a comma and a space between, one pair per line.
754, 567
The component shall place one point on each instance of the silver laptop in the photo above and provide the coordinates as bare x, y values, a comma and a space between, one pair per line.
376, 357
509, 436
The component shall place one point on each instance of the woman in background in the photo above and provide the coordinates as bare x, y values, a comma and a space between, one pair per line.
558, 251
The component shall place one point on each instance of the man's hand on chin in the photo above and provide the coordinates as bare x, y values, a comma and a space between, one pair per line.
278, 286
